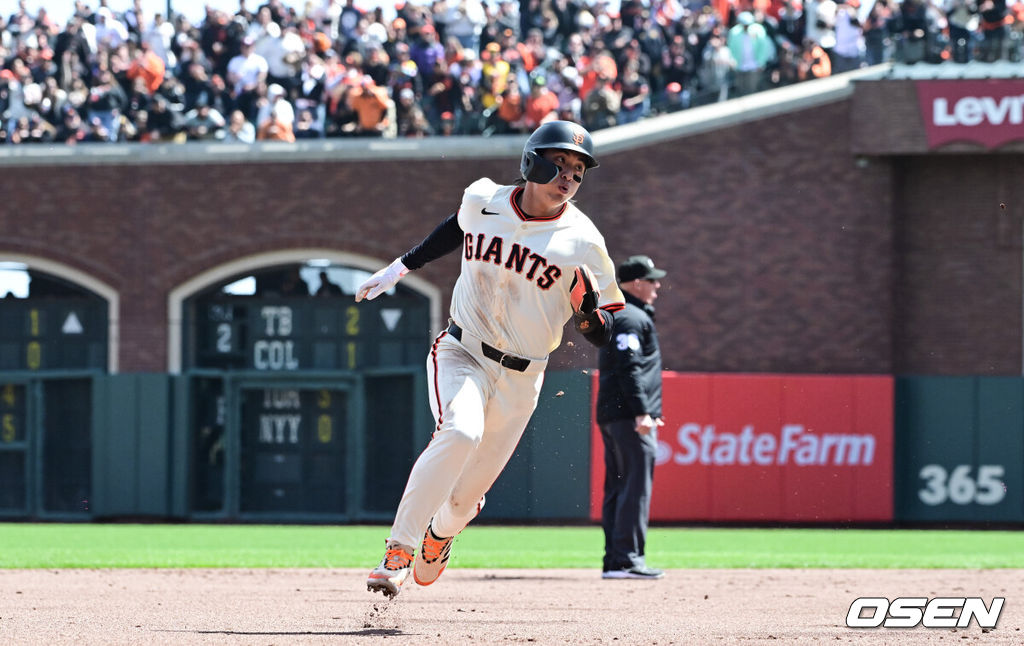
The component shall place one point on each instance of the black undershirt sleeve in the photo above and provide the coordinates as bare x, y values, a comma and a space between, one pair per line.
443, 240
601, 333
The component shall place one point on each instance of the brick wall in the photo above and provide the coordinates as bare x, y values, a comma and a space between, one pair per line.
785, 251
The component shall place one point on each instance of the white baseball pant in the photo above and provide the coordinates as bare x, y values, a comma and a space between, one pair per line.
481, 409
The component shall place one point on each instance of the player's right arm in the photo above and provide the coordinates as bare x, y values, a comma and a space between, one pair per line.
444, 239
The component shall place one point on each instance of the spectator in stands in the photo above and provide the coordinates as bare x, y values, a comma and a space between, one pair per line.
245, 74
284, 54
51, 101
135, 21
914, 31
495, 75
107, 102
791, 25
636, 100
370, 104
95, 132
542, 104
406, 111
961, 16
70, 129
441, 93
219, 39
57, 73
533, 52
71, 52
426, 49
563, 81
159, 37
675, 98
1015, 51
203, 123
20, 88
848, 53
163, 123
239, 129
348, 18
508, 114
377, 65
678, 65
306, 126
147, 66
878, 43
601, 105
275, 117
110, 32
993, 29
465, 20
752, 50
470, 118
32, 129
814, 62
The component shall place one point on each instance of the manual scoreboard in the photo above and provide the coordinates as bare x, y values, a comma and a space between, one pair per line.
288, 334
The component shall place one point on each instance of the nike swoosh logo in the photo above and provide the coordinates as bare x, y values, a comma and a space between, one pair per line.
486, 212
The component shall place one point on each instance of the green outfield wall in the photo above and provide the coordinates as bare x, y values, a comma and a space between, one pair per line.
959, 449
337, 447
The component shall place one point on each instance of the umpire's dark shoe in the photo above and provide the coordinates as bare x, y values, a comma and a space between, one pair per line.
635, 572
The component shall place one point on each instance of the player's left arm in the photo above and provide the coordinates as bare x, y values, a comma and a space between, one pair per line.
595, 297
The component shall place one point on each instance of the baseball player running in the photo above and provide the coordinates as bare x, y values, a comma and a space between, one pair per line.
530, 261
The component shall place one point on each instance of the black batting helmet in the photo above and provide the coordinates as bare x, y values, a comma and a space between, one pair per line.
563, 135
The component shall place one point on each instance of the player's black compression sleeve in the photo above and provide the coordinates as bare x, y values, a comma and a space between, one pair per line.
443, 240
600, 335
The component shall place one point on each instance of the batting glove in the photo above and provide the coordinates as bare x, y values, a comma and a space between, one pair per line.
382, 281
583, 297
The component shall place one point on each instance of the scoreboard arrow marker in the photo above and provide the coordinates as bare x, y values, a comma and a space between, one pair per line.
72, 325
391, 318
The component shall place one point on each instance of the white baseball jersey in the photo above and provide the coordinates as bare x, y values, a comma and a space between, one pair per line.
513, 292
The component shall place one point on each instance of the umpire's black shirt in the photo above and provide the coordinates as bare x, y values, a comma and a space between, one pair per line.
630, 366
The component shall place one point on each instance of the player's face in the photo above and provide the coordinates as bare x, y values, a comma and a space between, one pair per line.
571, 168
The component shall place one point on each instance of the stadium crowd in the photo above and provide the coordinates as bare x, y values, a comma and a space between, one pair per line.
463, 67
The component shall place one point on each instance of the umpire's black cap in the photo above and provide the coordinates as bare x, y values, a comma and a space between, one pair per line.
639, 267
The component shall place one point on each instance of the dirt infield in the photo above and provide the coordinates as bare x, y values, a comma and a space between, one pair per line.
264, 607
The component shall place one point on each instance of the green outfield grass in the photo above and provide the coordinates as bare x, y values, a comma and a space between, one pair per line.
53, 545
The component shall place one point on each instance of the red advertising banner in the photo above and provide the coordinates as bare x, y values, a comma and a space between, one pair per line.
988, 112
769, 448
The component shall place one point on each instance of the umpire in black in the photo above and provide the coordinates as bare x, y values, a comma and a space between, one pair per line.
629, 412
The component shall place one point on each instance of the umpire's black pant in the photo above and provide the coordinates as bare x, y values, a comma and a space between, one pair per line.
629, 474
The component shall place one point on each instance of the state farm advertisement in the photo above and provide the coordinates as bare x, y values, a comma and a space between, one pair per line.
769, 448
988, 112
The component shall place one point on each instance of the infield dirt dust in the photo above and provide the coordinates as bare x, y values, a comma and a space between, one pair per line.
325, 606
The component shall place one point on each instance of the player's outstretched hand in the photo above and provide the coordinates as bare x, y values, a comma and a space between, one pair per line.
382, 281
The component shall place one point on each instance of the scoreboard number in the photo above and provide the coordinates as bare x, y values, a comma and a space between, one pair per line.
8, 429
224, 338
33, 355
352, 320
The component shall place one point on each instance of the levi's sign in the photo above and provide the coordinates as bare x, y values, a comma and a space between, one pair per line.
988, 112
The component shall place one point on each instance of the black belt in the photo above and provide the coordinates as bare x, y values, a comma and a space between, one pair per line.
511, 362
